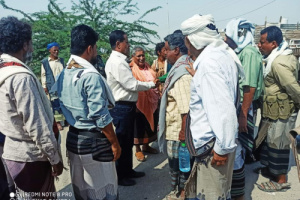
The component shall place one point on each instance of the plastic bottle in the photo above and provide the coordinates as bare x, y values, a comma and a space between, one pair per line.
184, 158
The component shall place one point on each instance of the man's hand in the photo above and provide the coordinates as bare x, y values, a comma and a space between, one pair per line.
190, 69
247, 101
219, 160
46, 91
182, 130
156, 82
116, 149
57, 169
181, 136
243, 123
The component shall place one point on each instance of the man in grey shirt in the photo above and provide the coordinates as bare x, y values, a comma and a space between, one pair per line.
30, 149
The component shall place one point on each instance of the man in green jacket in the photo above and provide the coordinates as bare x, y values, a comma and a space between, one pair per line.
281, 103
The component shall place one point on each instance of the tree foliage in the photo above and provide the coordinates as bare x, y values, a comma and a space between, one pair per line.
104, 17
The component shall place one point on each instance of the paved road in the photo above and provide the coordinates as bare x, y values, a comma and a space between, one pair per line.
155, 185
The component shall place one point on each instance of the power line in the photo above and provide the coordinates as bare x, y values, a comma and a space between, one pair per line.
247, 12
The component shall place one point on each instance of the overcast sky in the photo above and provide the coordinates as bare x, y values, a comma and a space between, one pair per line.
173, 12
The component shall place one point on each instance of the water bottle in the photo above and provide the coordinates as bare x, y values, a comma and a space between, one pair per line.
184, 158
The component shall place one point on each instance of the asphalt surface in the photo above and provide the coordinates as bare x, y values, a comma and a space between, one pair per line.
155, 185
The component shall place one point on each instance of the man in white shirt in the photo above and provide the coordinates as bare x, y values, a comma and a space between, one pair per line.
125, 89
212, 107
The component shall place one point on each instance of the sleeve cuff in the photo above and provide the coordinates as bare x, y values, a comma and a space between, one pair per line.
221, 150
104, 120
54, 159
152, 84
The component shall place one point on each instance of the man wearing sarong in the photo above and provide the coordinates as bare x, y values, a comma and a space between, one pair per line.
280, 106
239, 36
50, 69
30, 150
212, 108
173, 110
125, 89
91, 141
146, 119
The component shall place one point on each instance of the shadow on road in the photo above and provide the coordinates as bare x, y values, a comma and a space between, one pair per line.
155, 185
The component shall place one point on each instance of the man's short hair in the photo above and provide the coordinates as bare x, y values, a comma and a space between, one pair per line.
273, 34
82, 36
177, 40
137, 48
159, 47
115, 36
13, 34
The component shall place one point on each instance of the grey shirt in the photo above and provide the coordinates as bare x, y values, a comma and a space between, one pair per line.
29, 133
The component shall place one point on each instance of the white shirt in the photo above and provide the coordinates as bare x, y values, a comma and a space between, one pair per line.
120, 79
56, 68
213, 96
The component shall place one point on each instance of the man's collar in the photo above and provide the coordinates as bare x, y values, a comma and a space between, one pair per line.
50, 59
8, 58
201, 55
81, 61
12, 58
119, 54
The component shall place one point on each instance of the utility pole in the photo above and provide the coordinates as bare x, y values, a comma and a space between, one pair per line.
168, 17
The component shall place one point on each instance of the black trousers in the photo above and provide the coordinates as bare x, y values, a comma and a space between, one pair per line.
123, 115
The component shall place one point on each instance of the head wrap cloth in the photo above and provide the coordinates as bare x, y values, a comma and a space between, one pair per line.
53, 44
197, 31
236, 26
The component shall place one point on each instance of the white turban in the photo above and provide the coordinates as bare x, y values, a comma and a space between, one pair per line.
238, 25
195, 28
200, 36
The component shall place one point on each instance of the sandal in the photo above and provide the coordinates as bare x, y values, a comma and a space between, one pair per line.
174, 195
140, 156
151, 150
264, 171
272, 186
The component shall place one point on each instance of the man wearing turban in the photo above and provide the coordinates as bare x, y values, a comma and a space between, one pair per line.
239, 36
51, 68
214, 96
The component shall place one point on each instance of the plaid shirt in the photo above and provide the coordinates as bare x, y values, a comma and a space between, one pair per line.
178, 104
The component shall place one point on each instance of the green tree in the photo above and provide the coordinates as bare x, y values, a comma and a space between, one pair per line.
56, 24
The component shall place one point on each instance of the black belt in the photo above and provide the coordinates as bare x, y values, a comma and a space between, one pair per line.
93, 133
126, 102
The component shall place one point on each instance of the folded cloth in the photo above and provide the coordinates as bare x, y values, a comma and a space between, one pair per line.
201, 32
282, 49
235, 31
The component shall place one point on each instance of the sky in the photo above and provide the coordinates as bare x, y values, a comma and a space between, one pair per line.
174, 12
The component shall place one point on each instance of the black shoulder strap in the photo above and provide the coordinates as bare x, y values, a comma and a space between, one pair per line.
79, 73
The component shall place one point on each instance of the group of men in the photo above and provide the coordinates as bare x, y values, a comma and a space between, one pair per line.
200, 95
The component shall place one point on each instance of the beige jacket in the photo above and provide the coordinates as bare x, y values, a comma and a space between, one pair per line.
25, 116
283, 78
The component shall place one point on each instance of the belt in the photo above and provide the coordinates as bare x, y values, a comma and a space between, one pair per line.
93, 133
126, 102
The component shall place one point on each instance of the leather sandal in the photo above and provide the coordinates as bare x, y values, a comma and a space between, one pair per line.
272, 186
140, 156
